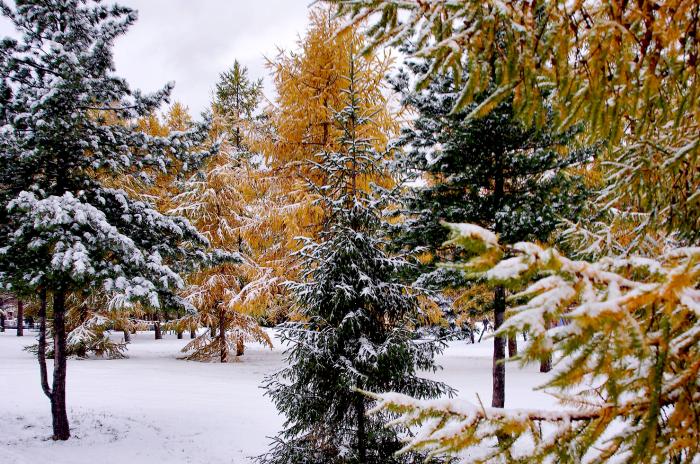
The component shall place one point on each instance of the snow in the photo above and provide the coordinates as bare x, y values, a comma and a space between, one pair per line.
153, 407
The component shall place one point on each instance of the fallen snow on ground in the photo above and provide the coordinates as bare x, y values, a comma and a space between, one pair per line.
154, 407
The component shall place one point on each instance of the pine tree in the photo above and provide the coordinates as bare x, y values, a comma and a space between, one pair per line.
236, 99
67, 135
356, 331
494, 172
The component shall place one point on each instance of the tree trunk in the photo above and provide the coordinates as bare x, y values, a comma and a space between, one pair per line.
546, 363
2, 322
156, 324
223, 346
485, 326
20, 318
361, 433
193, 333
240, 347
212, 331
127, 336
31, 322
512, 346
179, 334
61, 430
472, 328
499, 350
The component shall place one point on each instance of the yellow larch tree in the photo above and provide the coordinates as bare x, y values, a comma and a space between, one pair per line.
310, 90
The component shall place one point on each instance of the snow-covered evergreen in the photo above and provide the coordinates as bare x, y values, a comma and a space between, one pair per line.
355, 331
67, 132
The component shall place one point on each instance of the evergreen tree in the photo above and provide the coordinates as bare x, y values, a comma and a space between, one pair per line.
357, 320
494, 172
236, 99
68, 133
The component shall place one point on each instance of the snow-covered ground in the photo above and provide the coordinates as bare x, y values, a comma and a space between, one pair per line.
153, 407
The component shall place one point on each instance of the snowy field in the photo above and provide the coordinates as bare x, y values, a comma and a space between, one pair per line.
154, 408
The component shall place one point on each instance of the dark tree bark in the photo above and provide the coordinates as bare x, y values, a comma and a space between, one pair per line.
179, 334
41, 351
61, 430
240, 347
20, 318
193, 333
499, 351
472, 328
156, 325
546, 364
222, 336
212, 331
127, 336
2, 322
31, 322
361, 433
512, 346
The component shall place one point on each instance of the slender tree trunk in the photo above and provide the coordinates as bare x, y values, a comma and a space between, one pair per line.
20, 318
193, 333
179, 334
41, 351
499, 351
127, 336
2, 322
483, 330
546, 363
512, 346
240, 347
524, 336
361, 433
31, 322
212, 331
472, 328
223, 346
61, 430
156, 324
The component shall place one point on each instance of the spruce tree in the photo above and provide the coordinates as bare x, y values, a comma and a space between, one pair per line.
68, 133
493, 171
236, 99
356, 322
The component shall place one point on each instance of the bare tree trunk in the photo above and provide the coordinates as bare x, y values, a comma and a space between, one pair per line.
546, 363
472, 328
179, 334
156, 324
212, 331
2, 322
240, 347
193, 333
127, 336
31, 322
20, 318
222, 336
512, 346
61, 429
499, 350
41, 351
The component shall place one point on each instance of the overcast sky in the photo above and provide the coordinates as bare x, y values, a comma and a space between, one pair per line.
191, 42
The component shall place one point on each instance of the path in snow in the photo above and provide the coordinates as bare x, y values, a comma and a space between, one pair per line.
153, 407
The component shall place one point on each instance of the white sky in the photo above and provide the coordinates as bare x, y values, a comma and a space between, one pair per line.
191, 42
